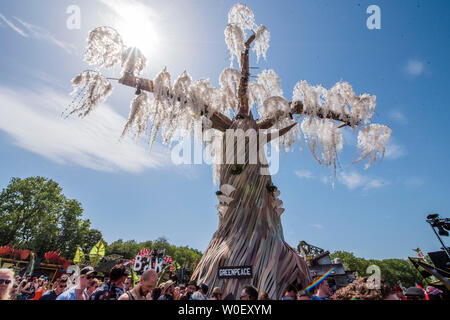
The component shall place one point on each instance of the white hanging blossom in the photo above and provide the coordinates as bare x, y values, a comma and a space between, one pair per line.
139, 115
276, 107
230, 80
322, 135
257, 94
340, 100
104, 47
261, 42
242, 16
234, 38
181, 90
271, 82
160, 106
96, 89
372, 142
133, 61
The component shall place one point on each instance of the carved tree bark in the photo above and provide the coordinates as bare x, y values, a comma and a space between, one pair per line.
250, 232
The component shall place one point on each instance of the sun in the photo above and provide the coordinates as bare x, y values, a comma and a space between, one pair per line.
137, 28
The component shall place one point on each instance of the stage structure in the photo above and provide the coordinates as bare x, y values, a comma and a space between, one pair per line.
249, 246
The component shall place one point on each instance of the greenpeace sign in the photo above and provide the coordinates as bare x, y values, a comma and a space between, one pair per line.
235, 272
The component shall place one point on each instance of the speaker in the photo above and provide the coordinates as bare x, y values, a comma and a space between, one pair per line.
440, 260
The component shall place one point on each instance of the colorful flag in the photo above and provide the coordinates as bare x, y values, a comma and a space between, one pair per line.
97, 253
79, 257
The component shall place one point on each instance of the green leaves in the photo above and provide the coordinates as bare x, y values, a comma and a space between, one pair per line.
36, 215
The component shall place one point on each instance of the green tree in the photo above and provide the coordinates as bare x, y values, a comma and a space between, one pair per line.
36, 215
392, 270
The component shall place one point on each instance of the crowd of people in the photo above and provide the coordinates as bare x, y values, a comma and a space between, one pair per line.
119, 286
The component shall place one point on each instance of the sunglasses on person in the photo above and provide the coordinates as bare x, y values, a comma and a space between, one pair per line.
63, 286
5, 281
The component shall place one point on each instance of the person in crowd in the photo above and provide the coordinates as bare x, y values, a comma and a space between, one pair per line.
156, 293
6, 283
146, 284
168, 290
128, 284
58, 287
29, 289
190, 289
414, 293
321, 290
263, 296
399, 292
176, 293
182, 289
249, 292
216, 294
93, 285
41, 288
201, 294
303, 295
79, 291
291, 293
434, 293
113, 288
361, 290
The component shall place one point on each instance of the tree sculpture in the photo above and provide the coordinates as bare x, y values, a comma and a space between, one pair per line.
250, 231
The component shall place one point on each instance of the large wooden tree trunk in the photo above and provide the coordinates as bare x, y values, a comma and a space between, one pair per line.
250, 234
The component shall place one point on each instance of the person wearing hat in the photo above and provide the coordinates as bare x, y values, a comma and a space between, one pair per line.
415, 293
168, 289
113, 289
79, 292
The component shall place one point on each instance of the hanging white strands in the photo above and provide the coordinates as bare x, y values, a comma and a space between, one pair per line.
242, 16
133, 61
372, 142
234, 38
104, 48
262, 40
139, 115
322, 136
97, 88
230, 80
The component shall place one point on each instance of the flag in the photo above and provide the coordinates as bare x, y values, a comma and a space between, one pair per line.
97, 253
79, 257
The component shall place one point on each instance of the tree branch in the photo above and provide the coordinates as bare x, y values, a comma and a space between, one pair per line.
298, 108
243, 108
219, 121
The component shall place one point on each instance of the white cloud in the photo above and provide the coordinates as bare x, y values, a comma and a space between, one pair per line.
13, 26
41, 34
415, 67
394, 151
398, 116
317, 226
354, 180
304, 174
33, 119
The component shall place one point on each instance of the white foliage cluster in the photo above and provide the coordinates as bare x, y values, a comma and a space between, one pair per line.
261, 42
177, 107
133, 61
139, 115
104, 47
372, 141
340, 100
230, 80
96, 89
324, 139
241, 19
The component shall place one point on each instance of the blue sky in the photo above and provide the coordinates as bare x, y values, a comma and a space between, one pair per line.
129, 192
